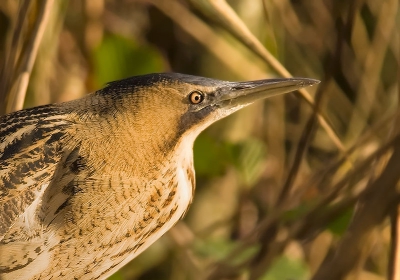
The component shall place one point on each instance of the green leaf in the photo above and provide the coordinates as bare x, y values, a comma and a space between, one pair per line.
249, 157
339, 226
287, 269
211, 157
116, 276
298, 212
219, 249
118, 57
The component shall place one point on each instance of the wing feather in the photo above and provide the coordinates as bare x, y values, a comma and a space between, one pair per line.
30, 149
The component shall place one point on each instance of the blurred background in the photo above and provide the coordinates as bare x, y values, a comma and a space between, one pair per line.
301, 186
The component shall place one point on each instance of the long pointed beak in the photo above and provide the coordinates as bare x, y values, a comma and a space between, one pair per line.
234, 94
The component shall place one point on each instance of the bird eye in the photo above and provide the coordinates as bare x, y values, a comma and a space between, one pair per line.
196, 97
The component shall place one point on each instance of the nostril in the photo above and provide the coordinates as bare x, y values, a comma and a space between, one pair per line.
239, 87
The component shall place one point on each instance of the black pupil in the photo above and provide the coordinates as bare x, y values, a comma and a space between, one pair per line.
196, 97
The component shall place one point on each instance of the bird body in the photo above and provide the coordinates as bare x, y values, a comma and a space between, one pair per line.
87, 185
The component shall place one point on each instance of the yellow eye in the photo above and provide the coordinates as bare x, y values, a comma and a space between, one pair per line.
196, 97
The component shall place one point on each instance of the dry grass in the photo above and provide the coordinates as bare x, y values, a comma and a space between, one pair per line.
299, 187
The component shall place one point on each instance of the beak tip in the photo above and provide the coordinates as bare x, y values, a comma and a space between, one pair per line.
305, 82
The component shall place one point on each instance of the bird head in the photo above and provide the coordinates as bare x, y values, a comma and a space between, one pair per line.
172, 103
149, 117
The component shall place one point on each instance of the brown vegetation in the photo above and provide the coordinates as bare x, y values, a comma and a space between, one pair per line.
301, 186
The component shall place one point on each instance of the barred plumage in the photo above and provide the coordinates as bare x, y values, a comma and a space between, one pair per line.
29, 150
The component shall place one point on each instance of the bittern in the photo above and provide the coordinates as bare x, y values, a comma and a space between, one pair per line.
87, 185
